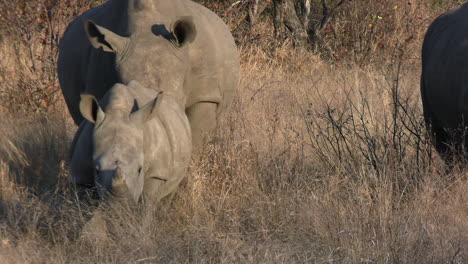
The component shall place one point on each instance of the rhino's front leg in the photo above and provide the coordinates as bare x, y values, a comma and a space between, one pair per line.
81, 166
203, 119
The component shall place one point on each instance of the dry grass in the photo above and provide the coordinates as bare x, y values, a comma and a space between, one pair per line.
316, 163
273, 187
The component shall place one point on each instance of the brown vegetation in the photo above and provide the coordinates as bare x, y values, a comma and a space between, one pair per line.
318, 161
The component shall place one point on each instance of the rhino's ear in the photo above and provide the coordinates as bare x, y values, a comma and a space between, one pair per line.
184, 30
148, 111
90, 109
104, 38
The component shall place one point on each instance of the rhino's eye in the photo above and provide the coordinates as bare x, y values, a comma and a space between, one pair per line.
139, 170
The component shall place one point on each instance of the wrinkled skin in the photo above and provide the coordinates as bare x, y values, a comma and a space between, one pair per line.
138, 147
444, 82
176, 46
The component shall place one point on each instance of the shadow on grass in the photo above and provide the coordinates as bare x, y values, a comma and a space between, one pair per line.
35, 192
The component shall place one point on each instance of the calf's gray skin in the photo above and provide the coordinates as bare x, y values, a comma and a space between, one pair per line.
138, 145
177, 46
444, 81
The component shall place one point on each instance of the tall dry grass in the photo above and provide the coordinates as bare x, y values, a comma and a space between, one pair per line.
313, 164
317, 162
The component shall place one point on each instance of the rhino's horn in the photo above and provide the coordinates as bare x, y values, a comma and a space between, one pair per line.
139, 5
139, 13
118, 178
119, 188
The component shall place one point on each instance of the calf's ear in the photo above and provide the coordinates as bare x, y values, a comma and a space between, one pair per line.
90, 109
103, 38
148, 111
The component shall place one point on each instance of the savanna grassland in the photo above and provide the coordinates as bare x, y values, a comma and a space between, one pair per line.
323, 157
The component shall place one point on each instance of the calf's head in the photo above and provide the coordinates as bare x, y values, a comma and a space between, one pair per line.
118, 145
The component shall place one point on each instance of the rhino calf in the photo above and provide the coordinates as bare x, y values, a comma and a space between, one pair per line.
138, 145
444, 90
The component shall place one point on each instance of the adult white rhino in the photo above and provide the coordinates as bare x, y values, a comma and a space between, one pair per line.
176, 46
444, 81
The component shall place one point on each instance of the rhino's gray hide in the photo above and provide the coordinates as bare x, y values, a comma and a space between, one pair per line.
176, 46
444, 81
138, 143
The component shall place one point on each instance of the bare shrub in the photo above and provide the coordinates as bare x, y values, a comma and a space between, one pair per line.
30, 35
358, 32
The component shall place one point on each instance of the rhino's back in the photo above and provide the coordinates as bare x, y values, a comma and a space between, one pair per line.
444, 83
74, 42
76, 56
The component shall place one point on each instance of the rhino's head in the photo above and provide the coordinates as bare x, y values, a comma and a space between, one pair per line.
155, 54
118, 145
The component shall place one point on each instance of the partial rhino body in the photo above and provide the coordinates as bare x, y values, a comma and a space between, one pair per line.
138, 145
444, 81
177, 46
